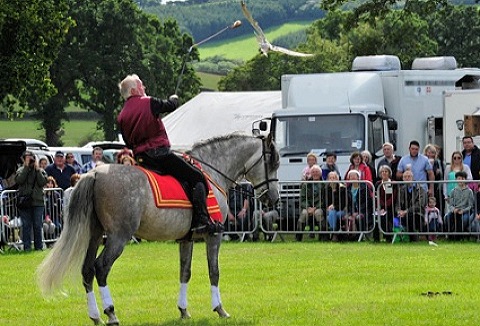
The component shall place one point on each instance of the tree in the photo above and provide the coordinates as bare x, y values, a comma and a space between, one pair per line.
30, 36
457, 32
110, 40
370, 10
400, 33
265, 73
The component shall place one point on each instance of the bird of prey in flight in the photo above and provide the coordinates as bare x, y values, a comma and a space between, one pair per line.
266, 46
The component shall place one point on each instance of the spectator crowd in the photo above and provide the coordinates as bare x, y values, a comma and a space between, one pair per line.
49, 186
420, 194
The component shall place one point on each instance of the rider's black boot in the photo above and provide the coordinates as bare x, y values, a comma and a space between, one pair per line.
202, 223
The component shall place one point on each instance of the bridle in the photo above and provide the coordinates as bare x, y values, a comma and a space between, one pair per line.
267, 180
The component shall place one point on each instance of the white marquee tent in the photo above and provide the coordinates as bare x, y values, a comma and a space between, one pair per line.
212, 114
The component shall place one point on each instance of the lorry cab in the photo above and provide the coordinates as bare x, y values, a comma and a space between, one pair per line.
333, 112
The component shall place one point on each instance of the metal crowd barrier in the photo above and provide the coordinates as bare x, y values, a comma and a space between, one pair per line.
401, 213
379, 217
350, 218
241, 223
11, 223
373, 214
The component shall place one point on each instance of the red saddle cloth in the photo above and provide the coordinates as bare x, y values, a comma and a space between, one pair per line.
168, 193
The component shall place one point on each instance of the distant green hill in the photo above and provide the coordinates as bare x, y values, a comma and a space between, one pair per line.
202, 18
245, 47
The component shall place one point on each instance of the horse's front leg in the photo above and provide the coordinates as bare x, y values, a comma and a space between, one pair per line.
213, 249
186, 252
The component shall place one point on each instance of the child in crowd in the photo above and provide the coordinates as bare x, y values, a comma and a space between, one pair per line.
53, 212
461, 205
433, 219
311, 160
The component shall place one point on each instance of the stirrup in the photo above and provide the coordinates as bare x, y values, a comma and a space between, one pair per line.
200, 228
211, 228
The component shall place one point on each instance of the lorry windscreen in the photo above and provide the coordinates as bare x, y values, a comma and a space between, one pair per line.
300, 135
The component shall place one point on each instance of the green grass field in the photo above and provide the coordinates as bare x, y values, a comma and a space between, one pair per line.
245, 47
309, 283
75, 130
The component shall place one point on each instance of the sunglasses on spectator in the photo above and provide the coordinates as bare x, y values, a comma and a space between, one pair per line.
457, 157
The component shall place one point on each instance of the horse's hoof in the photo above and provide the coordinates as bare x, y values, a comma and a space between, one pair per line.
184, 314
112, 318
97, 321
221, 312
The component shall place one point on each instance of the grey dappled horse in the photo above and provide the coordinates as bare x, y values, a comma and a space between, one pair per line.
117, 200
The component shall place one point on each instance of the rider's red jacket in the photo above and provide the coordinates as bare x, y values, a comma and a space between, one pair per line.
141, 125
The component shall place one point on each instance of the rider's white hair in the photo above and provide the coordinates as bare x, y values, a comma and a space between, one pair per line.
127, 84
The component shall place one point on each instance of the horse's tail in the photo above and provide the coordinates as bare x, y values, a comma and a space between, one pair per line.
69, 251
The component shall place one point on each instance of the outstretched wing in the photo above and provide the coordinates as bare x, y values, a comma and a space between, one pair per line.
266, 46
258, 31
289, 52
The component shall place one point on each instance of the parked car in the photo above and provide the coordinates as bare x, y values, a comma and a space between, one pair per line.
110, 149
82, 154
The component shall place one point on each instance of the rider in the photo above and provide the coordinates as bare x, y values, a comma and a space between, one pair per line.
143, 130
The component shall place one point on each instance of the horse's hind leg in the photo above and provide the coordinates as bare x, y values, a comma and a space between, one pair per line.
88, 273
186, 251
213, 248
113, 249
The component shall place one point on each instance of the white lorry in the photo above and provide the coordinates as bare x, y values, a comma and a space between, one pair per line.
377, 102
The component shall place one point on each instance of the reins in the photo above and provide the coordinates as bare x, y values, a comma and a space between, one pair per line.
266, 181
211, 167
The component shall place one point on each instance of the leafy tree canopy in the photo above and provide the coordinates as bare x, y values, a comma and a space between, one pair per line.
114, 38
369, 10
31, 33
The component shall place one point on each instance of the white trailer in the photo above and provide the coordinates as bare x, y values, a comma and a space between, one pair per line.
461, 117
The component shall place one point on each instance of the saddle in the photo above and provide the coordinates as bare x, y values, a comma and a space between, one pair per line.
168, 192
150, 164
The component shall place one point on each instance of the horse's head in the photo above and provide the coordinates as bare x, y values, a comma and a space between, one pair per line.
237, 156
261, 171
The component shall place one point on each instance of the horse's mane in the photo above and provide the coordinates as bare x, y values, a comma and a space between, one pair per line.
275, 161
217, 139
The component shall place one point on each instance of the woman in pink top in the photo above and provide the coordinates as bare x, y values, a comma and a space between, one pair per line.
311, 161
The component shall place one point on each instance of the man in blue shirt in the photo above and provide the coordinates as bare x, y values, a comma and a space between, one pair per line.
419, 165
97, 155
60, 170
